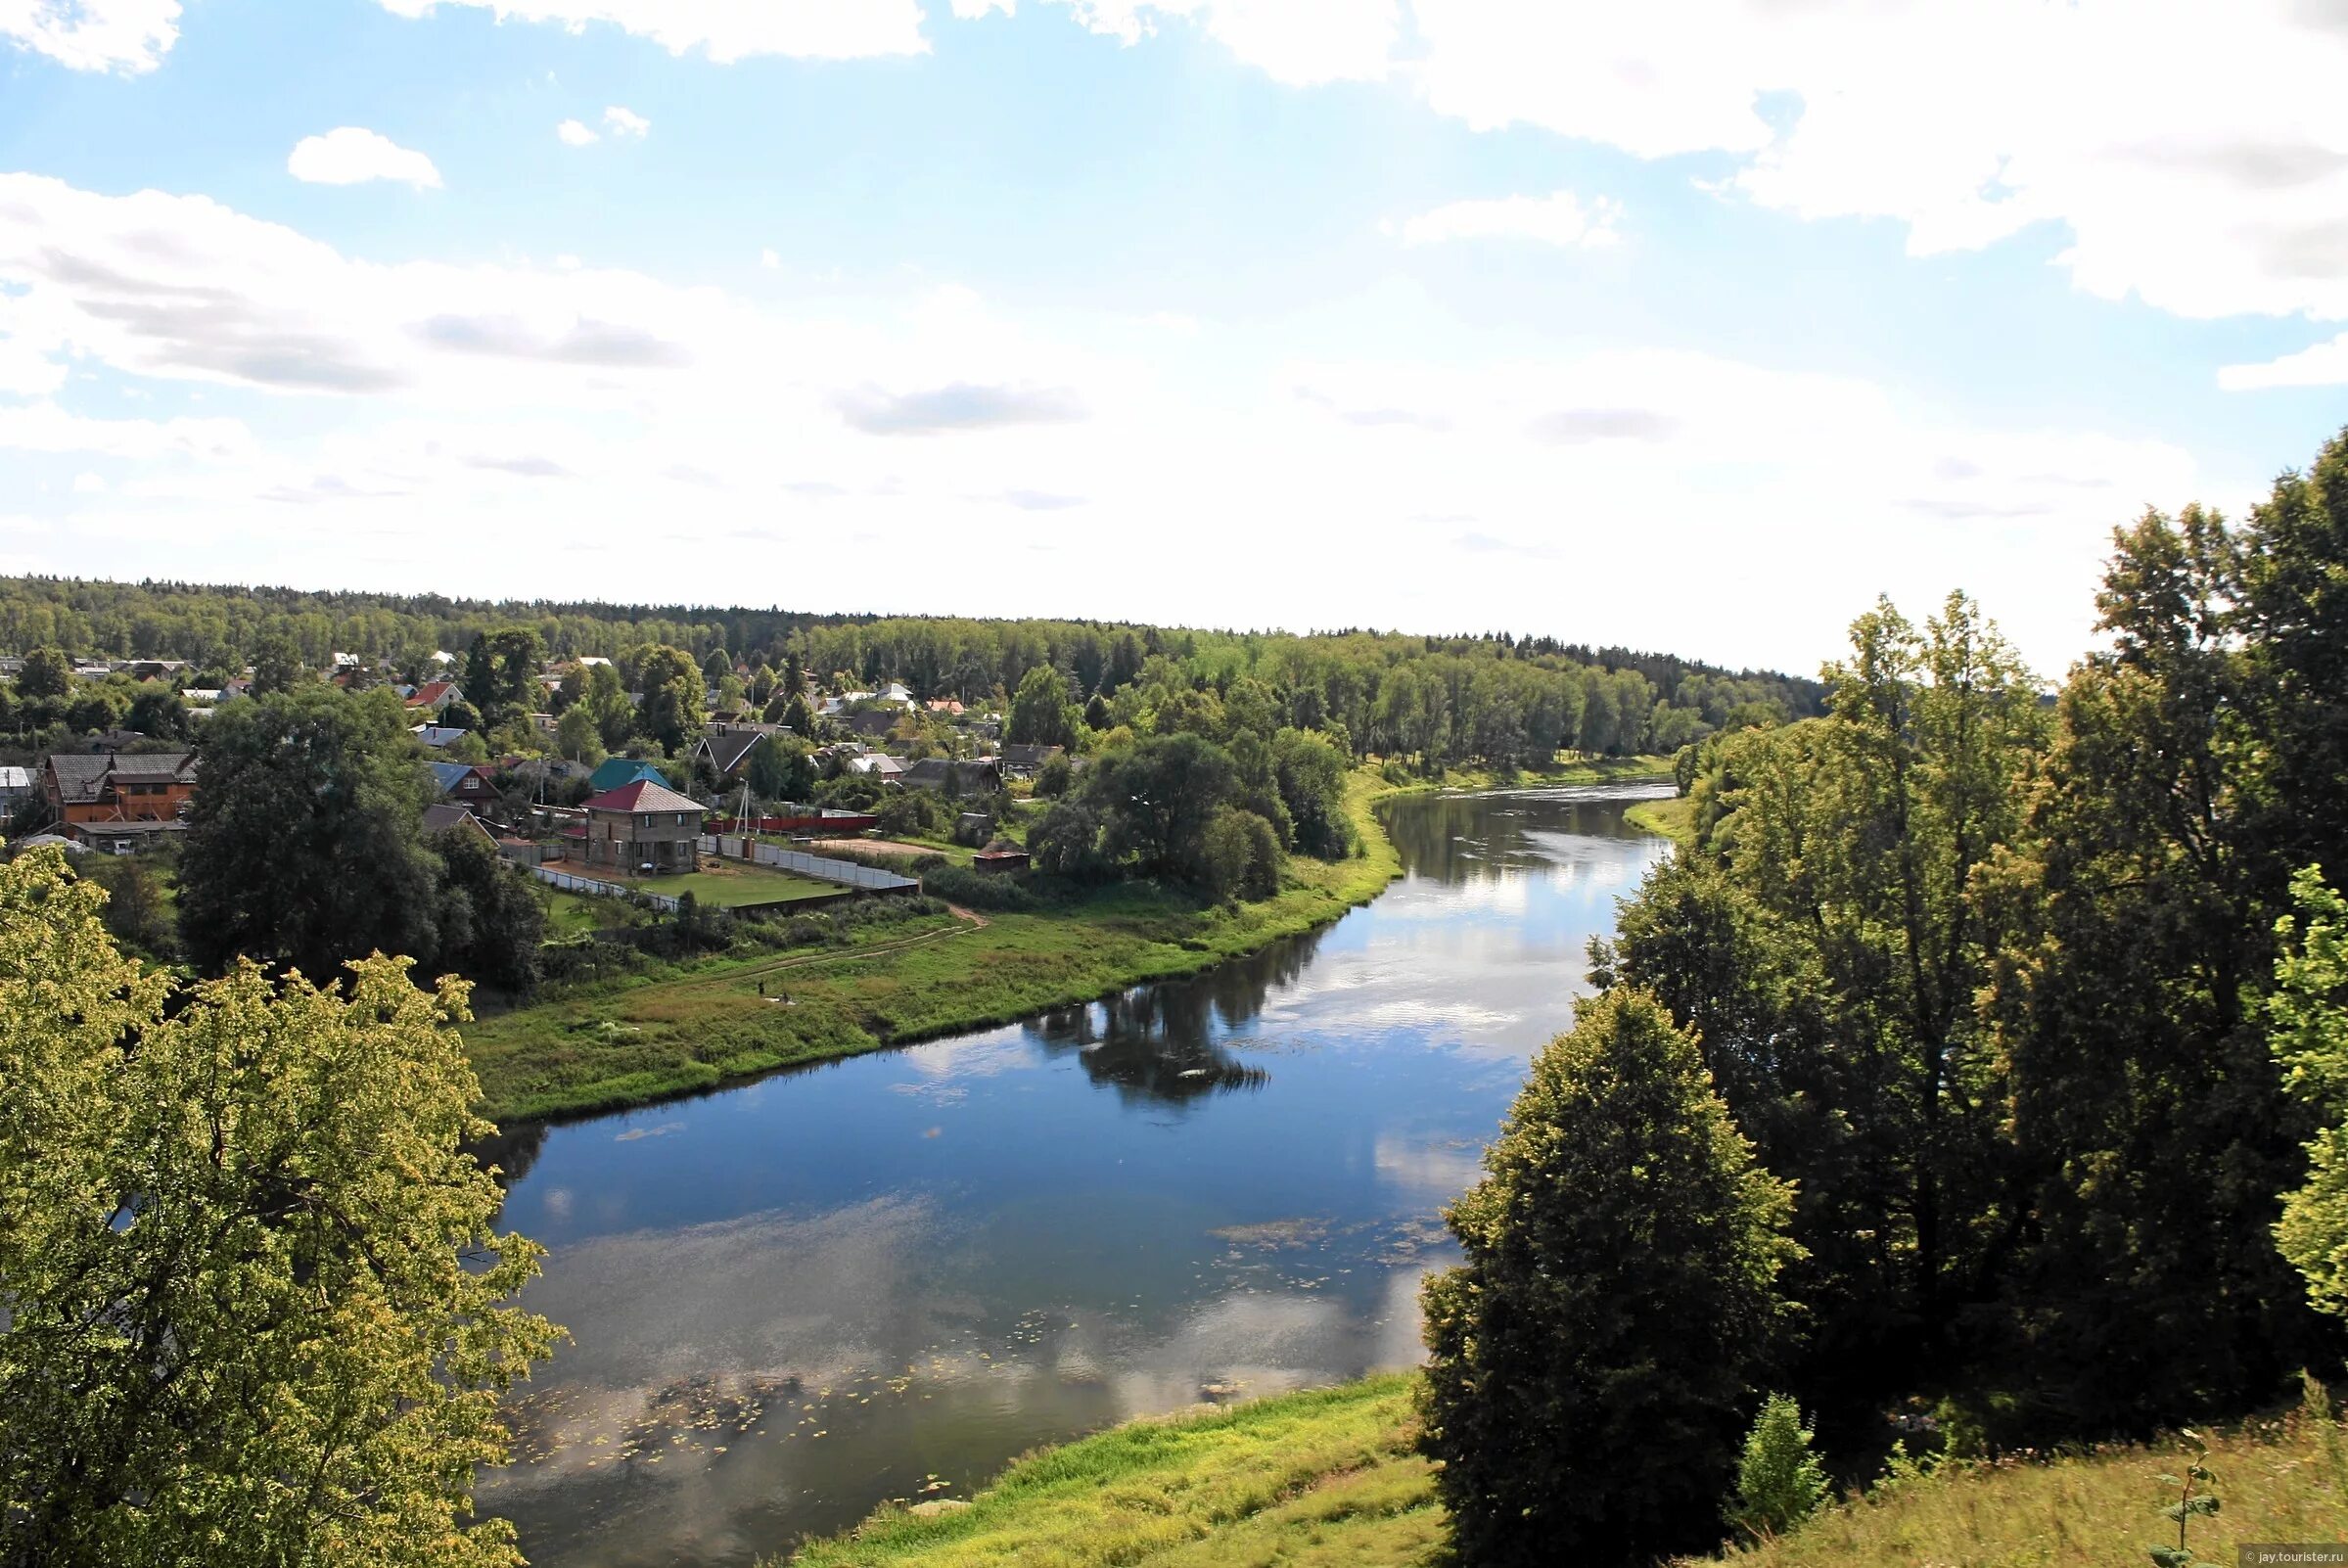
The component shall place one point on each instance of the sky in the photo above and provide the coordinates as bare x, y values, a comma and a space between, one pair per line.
1690, 327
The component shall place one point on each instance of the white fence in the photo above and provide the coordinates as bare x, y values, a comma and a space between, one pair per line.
599, 890
822, 867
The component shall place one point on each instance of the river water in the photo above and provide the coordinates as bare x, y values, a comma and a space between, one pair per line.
884, 1277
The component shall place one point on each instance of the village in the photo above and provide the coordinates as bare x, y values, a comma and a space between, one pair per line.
749, 809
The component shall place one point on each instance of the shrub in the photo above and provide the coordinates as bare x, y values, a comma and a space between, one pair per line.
977, 889
1779, 1482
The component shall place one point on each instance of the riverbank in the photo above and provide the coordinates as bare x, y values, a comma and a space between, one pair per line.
1674, 818
1328, 1477
1321, 1478
693, 1028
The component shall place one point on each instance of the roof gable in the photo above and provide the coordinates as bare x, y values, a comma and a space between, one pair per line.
641, 798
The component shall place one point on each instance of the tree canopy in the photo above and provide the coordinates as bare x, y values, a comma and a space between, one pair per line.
257, 1311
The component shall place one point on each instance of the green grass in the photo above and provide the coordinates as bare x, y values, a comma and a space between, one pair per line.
1325, 1479
678, 1032
2277, 1481
1328, 1478
1674, 819
730, 886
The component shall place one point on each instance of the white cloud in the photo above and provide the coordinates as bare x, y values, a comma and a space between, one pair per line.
515, 405
2326, 364
725, 31
770, 259
973, 10
125, 36
1300, 42
351, 155
625, 122
576, 133
1558, 219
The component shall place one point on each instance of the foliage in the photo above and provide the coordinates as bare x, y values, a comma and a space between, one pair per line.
258, 1313
137, 912
1588, 1360
1055, 776
977, 889
1239, 855
1041, 711
303, 847
490, 921
47, 673
1780, 1481
2308, 1020
2194, 1501
672, 714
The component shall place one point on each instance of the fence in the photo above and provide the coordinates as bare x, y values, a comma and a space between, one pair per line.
822, 867
600, 889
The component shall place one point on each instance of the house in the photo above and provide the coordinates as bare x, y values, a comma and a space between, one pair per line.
446, 818
879, 764
158, 668
106, 787
1022, 761
643, 825
464, 784
727, 747
17, 786
978, 776
873, 723
614, 771
434, 696
947, 708
436, 736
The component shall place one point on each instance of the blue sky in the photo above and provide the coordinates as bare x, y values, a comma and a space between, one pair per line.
1689, 329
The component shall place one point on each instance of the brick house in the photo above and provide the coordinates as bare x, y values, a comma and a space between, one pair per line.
643, 824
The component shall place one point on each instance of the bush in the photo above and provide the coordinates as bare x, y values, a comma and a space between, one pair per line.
1779, 1482
1589, 1359
977, 889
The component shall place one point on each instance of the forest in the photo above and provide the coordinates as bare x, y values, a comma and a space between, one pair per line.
1979, 1062
1444, 699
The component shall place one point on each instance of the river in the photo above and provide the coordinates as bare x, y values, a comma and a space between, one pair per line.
886, 1276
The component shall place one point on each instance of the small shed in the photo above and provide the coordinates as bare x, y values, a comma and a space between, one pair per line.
1000, 856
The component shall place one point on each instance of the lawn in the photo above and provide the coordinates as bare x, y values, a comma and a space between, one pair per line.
729, 886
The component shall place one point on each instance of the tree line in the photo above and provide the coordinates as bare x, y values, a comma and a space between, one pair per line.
1442, 700
1981, 1056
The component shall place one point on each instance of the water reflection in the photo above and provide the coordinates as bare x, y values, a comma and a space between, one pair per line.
888, 1276
1166, 1042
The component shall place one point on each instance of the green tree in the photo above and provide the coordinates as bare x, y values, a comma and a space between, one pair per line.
276, 664
1156, 800
1779, 1482
2308, 1021
577, 737
305, 846
47, 674
1041, 710
1589, 1359
490, 923
258, 1313
672, 713
1310, 777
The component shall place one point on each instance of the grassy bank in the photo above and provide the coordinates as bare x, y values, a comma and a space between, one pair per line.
649, 1037
2277, 1481
1328, 1477
1325, 1479
1674, 818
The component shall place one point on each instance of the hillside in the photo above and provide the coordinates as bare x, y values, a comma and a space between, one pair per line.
1324, 1479
1328, 1478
